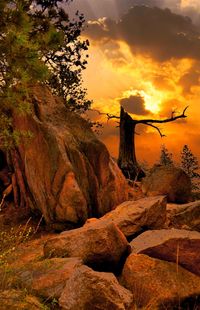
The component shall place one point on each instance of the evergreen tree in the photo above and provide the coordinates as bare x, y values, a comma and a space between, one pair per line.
189, 163
38, 43
165, 157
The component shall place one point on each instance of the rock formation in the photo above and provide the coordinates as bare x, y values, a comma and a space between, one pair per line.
68, 173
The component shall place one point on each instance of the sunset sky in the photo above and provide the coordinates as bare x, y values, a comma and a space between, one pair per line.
145, 55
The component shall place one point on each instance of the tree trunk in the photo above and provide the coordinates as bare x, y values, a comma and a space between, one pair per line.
127, 157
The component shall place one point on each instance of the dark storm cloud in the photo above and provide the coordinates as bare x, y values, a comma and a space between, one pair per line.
134, 105
152, 31
114, 9
94, 9
190, 78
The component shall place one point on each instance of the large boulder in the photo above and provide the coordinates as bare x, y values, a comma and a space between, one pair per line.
44, 278
185, 216
174, 245
99, 244
69, 173
170, 181
158, 284
90, 290
135, 216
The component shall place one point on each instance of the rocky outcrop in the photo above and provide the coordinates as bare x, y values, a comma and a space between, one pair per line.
135, 216
45, 278
19, 300
170, 181
179, 246
90, 290
186, 216
68, 172
99, 244
158, 284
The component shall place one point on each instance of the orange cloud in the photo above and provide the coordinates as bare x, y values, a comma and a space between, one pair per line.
118, 71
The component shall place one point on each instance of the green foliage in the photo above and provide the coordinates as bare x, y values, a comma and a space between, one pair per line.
189, 163
38, 44
165, 157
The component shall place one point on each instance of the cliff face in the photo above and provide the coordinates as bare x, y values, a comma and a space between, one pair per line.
69, 172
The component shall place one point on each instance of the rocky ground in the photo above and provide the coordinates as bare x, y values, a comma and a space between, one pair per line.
120, 247
142, 255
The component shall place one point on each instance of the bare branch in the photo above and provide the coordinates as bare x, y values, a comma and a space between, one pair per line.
109, 116
158, 129
167, 120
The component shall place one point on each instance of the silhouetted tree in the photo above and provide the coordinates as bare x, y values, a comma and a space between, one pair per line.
165, 156
127, 154
189, 163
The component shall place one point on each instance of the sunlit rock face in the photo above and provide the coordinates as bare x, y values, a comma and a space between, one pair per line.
168, 244
158, 283
69, 172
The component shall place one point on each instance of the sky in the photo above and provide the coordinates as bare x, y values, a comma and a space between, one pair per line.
145, 56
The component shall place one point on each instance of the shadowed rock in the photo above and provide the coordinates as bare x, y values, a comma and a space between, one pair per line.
186, 216
90, 290
170, 181
180, 246
158, 284
99, 244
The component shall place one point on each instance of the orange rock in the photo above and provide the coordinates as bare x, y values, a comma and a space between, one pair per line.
99, 244
69, 172
134, 216
87, 289
157, 284
174, 245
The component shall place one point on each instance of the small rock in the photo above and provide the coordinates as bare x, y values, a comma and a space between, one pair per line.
186, 215
172, 245
90, 290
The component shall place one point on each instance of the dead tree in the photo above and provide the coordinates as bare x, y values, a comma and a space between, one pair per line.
127, 154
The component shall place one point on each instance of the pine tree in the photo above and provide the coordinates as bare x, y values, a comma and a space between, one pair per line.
38, 44
165, 157
189, 163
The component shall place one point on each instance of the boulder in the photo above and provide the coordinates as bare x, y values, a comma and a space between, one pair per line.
19, 300
99, 244
186, 216
69, 173
170, 181
90, 290
158, 284
45, 278
135, 216
174, 245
